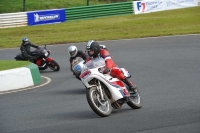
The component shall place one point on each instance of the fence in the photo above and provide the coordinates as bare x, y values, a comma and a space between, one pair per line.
13, 20
99, 10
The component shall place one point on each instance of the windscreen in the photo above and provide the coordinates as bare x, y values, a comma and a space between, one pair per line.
40, 50
97, 62
76, 61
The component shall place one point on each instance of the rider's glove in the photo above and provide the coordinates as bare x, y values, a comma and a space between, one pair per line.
107, 70
103, 46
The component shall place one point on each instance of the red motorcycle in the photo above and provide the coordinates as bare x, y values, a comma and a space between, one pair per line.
43, 61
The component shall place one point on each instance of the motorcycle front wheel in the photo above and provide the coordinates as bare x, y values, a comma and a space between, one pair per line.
102, 108
53, 65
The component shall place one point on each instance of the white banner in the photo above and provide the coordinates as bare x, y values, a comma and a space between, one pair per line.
147, 6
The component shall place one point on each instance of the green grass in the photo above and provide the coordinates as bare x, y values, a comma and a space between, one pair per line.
10, 64
8, 6
173, 22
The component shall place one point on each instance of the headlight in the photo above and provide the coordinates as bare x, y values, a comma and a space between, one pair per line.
46, 54
78, 68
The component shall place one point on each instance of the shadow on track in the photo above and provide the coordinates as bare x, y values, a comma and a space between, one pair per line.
79, 91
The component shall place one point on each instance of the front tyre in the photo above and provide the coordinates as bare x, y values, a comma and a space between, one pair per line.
101, 108
135, 101
53, 65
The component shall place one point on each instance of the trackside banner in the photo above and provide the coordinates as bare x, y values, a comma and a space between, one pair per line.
46, 17
147, 6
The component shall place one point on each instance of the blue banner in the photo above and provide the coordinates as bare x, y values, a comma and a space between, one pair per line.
46, 17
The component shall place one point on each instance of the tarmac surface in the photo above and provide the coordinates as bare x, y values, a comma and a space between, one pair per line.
166, 71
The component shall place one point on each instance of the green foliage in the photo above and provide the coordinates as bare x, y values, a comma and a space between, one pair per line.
9, 6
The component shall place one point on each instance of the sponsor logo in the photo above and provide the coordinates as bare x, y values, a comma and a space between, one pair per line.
148, 5
179, 2
154, 4
141, 6
38, 18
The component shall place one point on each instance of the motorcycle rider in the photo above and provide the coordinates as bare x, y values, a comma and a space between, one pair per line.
74, 52
26, 49
94, 50
101, 46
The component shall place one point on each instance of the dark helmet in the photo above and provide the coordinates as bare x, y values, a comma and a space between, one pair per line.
92, 45
24, 39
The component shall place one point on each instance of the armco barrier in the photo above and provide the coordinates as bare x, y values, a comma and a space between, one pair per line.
18, 78
13, 20
99, 10
20, 19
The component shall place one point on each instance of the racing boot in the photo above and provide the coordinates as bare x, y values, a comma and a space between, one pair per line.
132, 88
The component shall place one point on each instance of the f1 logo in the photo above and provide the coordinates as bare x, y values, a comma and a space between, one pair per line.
141, 6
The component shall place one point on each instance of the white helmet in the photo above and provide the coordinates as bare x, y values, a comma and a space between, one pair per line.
72, 50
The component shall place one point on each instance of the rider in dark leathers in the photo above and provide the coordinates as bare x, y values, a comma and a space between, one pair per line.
26, 49
74, 52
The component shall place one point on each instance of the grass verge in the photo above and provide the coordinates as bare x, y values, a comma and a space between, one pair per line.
9, 6
165, 23
10, 64
174, 22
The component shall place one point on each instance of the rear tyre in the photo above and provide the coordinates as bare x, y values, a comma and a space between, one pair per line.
53, 65
101, 108
19, 57
43, 68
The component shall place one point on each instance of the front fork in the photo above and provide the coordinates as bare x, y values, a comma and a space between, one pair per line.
100, 90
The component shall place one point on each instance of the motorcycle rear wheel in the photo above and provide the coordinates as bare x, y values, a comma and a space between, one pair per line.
101, 108
19, 57
53, 65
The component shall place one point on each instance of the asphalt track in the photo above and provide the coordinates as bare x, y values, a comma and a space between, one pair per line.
166, 71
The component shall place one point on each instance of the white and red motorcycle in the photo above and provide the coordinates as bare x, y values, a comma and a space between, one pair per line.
105, 92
